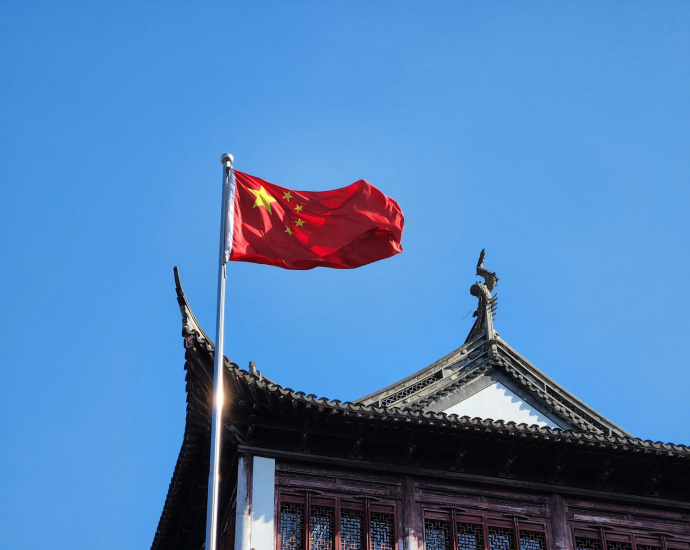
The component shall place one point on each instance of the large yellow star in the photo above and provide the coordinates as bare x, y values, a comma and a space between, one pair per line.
263, 199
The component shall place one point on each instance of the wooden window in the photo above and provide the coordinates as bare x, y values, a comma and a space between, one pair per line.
501, 538
351, 529
470, 536
590, 538
382, 532
532, 540
455, 531
587, 543
291, 526
309, 522
438, 534
321, 529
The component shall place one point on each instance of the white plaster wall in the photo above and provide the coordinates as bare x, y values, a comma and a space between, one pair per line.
263, 503
499, 403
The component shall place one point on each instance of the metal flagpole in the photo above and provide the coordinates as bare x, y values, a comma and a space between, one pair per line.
227, 214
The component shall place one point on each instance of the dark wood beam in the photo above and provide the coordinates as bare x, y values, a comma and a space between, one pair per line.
401, 469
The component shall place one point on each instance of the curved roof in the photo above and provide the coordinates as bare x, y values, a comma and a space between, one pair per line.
185, 507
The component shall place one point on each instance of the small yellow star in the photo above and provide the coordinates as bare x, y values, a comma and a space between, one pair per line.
263, 199
288, 230
298, 208
287, 196
299, 222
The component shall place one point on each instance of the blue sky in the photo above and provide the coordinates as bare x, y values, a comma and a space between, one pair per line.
555, 135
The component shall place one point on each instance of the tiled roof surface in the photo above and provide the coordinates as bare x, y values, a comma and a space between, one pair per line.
461, 422
394, 414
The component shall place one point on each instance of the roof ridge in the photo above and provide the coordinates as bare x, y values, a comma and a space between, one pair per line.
563, 393
428, 370
192, 327
395, 413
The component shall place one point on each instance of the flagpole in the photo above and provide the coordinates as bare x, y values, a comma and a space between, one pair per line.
218, 391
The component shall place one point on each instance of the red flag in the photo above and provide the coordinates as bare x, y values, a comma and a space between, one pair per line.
343, 228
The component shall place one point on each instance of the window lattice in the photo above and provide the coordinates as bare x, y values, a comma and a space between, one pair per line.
532, 540
582, 543
291, 526
616, 545
501, 539
470, 536
647, 547
437, 534
381, 527
351, 530
321, 528
412, 389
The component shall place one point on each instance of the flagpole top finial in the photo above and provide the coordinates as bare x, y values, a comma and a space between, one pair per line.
227, 157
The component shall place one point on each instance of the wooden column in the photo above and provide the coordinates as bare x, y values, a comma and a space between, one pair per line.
243, 509
562, 539
412, 522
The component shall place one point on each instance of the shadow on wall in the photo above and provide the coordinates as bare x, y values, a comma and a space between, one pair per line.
499, 403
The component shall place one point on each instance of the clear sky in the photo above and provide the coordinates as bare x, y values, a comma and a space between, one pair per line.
554, 134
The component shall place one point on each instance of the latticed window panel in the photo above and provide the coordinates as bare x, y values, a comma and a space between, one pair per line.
437, 534
291, 526
647, 547
321, 532
532, 540
586, 543
381, 529
351, 530
501, 538
618, 545
470, 536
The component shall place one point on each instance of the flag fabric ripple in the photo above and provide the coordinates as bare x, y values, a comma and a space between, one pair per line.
343, 228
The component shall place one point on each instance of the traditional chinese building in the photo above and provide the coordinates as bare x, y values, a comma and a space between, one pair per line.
421, 464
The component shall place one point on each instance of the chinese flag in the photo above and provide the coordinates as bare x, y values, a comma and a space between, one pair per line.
343, 228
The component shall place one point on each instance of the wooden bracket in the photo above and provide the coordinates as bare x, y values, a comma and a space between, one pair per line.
605, 474
652, 481
250, 430
252, 391
557, 470
237, 434
460, 455
302, 446
410, 448
359, 441
508, 464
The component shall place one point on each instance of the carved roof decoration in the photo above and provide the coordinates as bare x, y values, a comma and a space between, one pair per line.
486, 309
484, 353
